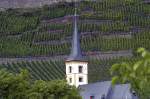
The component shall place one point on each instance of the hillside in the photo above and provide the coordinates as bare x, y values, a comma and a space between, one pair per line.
27, 3
39, 39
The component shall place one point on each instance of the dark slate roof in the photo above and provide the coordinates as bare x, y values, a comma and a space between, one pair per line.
98, 89
121, 91
95, 89
76, 54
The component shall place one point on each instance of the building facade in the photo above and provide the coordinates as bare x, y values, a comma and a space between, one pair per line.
77, 75
76, 65
105, 90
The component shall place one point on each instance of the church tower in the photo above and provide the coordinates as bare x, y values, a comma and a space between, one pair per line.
76, 65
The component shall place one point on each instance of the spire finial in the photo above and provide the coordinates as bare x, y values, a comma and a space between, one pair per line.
75, 12
75, 5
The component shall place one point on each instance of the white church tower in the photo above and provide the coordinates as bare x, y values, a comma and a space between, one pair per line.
76, 65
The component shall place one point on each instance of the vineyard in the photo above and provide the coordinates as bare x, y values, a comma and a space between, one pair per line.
105, 26
50, 70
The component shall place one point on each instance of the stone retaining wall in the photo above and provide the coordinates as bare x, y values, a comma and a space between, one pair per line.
27, 3
34, 3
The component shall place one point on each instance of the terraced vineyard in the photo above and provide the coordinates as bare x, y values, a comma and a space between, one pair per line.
50, 70
105, 27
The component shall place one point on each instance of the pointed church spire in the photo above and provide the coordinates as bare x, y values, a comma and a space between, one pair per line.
75, 50
76, 65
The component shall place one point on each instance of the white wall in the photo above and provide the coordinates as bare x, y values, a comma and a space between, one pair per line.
75, 73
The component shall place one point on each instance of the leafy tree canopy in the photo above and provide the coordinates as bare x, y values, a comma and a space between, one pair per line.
20, 86
138, 74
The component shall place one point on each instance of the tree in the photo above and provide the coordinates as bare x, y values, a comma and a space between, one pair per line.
138, 74
20, 86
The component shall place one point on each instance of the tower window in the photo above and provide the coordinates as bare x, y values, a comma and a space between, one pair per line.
80, 79
70, 80
80, 69
103, 96
70, 69
92, 97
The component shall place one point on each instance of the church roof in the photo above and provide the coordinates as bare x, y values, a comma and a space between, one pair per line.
97, 90
121, 91
100, 89
76, 54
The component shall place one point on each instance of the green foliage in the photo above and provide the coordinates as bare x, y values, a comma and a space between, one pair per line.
56, 11
105, 27
14, 23
8, 47
33, 32
14, 86
52, 70
45, 70
20, 86
30, 33
106, 44
99, 69
138, 74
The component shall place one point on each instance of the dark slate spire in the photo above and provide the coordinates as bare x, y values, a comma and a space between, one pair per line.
76, 54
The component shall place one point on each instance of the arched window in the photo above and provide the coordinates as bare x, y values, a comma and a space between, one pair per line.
80, 69
70, 69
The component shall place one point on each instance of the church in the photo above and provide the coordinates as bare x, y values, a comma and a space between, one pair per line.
77, 75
